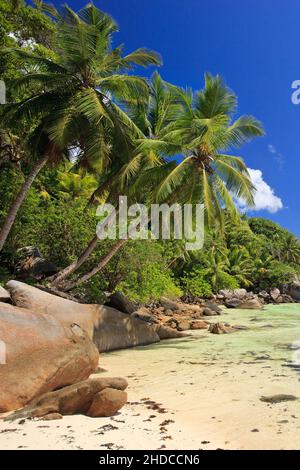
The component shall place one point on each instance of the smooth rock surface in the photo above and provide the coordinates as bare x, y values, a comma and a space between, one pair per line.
220, 329
109, 328
118, 301
74, 399
107, 403
41, 355
4, 295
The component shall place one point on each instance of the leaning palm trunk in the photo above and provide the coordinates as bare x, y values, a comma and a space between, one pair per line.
101, 265
58, 278
12, 214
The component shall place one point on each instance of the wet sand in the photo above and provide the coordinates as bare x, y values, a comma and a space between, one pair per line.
199, 393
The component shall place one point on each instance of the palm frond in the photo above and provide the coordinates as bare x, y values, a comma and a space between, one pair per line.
142, 57
243, 130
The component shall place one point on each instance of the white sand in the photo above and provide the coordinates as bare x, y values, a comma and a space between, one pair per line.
209, 385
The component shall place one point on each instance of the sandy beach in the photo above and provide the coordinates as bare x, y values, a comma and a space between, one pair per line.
202, 392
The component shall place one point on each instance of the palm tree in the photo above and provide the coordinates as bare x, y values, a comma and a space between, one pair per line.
75, 95
290, 249
124, 176
75, 185
46, 7
200, 126
10, 147
201, 134
217, 267
240, 265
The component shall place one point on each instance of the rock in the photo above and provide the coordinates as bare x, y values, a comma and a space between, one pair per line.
175, 306
235, 293
41, 355
169, 304
253, 303
279, 300
207, 312
74, 399
233, 303
199, 325
118, 301
171, 323
220, 329
52, 416
183, 325
116, 330
144, 314
195, 309
109, 328
294, 292
278, 398
4, 295
107, 402
168, 312
165, 332
287, 299
198, 315
264, 295
214, 307
274, 293
33, 264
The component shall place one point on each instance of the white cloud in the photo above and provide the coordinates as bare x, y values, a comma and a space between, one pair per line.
278, 157
264, 197
272, 149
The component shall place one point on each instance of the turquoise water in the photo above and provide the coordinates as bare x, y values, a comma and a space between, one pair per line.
271, 334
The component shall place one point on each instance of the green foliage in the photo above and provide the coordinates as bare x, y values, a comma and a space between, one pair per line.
195, 283
226, 281
122, 130
202, 131
276, 275
149, 284
22, 26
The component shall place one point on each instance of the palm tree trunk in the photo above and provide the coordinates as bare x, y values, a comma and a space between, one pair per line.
102, 263
57, 279
13, 211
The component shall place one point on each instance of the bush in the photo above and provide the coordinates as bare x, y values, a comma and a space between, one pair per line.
277, 275
150, 284
195, 283
226, 281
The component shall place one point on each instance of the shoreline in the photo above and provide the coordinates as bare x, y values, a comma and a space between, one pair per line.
194, 393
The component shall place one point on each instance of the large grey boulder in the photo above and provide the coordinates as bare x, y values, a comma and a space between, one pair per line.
33, 264
248, 303
235, 293
294, 292
214, 307
109, 328
118, 301
274, 294
264, 295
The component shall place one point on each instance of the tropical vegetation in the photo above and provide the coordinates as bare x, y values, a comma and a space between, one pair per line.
80, 128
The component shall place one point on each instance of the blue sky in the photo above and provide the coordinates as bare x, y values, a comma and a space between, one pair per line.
255, 46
